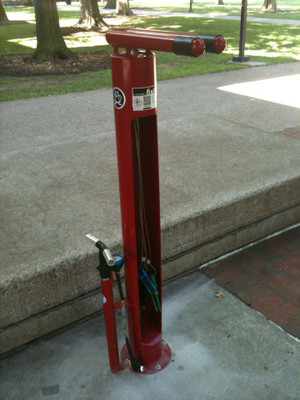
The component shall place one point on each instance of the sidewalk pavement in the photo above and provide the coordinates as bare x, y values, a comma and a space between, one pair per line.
141, 12
222, 350
279, 21
229, 173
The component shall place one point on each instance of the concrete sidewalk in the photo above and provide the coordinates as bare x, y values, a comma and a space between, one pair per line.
230, 174
280, 21
141, 12
222, 350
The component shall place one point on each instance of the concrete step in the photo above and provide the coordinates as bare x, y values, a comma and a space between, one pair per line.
229, 172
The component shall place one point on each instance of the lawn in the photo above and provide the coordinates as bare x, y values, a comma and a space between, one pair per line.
265, 42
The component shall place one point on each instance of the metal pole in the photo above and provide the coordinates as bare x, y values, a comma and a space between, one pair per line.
134, 83
134, 94
241, 57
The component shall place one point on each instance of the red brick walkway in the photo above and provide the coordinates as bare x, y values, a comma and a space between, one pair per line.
267, 278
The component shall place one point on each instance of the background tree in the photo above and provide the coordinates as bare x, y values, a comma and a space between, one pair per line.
90, 15
50, 43
3, 16
270, 5
123, 7
220, 3
111, 4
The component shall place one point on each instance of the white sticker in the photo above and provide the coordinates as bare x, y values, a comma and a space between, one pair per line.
103, 299
143, 98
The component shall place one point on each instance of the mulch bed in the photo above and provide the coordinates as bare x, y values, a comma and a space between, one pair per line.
20, 65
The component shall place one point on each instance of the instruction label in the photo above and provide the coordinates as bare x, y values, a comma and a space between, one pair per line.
143, 98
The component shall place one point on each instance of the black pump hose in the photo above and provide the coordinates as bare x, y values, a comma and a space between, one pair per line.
134, 363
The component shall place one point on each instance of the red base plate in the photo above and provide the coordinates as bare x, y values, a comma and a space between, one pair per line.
158, 366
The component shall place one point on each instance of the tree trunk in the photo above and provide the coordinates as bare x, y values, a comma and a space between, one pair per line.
123, 7
111, 4
50, 43
3, 16
90, 15
220, 3
270, 5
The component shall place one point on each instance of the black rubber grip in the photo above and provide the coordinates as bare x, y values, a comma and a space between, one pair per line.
104, 269
209, 41
182, 45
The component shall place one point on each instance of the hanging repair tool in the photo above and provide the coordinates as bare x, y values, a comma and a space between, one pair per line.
155, 296
151, 287
147, 280
144, 278
109, 263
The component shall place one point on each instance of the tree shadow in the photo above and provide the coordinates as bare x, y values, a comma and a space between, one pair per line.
12, 22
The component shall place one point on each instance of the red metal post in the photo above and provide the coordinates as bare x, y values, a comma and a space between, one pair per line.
134, 94
134, 73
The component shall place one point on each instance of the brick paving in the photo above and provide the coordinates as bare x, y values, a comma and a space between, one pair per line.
266, 276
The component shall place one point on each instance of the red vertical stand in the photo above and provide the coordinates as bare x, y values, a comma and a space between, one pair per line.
134, 92
134, 74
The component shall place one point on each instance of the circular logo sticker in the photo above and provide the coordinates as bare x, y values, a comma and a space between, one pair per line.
119, 98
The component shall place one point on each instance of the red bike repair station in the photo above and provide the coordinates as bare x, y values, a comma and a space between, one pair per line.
134, 97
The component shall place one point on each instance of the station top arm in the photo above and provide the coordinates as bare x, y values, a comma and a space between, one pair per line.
189, 44
213, 43
181, 44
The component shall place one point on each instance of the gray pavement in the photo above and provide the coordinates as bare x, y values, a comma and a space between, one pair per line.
141, 12
222, 349
279, 21
230, 174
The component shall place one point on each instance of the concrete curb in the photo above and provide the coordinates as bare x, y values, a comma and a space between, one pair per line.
187, 243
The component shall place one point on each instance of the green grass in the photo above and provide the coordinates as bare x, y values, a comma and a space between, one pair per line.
11, 32
12, 88
265, 42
